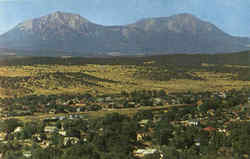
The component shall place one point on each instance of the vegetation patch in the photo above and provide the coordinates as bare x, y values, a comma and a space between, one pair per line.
164, 73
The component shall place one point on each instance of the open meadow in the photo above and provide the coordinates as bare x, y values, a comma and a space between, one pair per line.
113, 75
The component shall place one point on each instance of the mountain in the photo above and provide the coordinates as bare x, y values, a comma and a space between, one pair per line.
66, 32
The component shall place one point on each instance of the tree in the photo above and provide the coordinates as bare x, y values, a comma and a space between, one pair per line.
143, 115
163, 132
9, 125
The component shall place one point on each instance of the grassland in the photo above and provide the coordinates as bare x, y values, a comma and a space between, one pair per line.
63, 79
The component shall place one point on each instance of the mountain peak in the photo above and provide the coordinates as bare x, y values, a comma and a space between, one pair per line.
183, 33
185, 15
179, 23
64, 17
60, 14
57, 23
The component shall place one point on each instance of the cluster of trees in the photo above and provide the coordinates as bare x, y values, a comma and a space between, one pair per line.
195, 143
112, 136
42, 103
241, 58
233, 98
143, 97
51, 81
165, 73
115, 136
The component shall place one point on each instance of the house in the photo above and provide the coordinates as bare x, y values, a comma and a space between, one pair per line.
131, 104
197, 142
211, 112
27, 154
45, 144
222, 130
222, 95
193, 122
50, 129
190, 122
3, 136
71, 117
141, 136
66, 110
62, 117
62, 132
52, 111
157, 101
144, 152
209, 129
79, 109
18, 129
70, 140
108, 99
144, 122
37, 137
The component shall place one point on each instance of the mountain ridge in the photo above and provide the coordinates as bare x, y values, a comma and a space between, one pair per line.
180, 33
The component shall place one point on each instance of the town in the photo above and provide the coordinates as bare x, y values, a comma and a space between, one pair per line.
161, 126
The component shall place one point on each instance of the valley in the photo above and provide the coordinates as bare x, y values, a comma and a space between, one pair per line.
136, 79
161, 106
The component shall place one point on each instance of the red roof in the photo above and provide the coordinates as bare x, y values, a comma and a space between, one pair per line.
209, 128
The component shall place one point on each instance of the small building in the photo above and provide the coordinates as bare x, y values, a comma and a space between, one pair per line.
193, 122
27, 154
3, 136
70, 140
222, 95
141, 136
52, 111
79, 109
71, 117
62, 117
37, 137
190, 122
108, 99
248, 99
209, 129
62, 132
197, 142
45, 143
18, 129
50, 129
158, 101
222, 130
144, 122
144, 152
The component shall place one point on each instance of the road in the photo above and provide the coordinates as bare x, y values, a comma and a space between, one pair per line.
95, 114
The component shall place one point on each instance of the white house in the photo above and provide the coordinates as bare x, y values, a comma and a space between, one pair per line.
144, 152
18, 129
3, 136
71, 140
50, 129
27, 154
62, 132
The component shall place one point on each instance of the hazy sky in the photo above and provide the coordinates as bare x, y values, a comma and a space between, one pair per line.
233, 16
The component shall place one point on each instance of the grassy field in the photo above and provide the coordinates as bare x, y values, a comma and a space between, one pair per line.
93, 78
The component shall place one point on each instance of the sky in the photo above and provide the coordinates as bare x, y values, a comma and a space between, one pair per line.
232, 16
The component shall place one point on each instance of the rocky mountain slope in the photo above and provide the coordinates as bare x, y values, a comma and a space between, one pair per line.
66, 32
